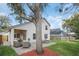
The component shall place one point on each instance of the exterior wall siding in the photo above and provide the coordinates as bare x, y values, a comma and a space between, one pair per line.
44, 31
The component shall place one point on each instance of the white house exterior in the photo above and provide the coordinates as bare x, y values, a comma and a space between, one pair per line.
28, 29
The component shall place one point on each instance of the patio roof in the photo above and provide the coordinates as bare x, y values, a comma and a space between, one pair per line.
19, 25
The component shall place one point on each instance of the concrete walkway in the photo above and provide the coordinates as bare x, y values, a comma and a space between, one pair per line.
21, 50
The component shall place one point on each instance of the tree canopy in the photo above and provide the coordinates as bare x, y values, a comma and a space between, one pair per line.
19, 11
73, 24
4, 23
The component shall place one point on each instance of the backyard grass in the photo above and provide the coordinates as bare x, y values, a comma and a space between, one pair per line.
66, 48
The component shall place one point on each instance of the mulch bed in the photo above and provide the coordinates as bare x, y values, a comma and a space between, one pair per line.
47, 52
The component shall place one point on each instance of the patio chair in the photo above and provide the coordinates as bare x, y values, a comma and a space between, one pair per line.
26, 44
17, 44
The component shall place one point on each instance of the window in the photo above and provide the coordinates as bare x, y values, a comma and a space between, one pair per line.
34, 36
46, 28
45, 36
16, 35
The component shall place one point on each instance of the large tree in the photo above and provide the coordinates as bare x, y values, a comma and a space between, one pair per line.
35, 17
4, 23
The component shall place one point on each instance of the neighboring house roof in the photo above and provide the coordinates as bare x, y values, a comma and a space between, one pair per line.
55, 31
58, 32
3, 33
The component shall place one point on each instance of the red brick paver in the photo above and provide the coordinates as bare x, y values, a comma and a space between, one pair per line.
47, 52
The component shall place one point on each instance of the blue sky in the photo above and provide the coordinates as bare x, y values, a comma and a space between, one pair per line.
50, 13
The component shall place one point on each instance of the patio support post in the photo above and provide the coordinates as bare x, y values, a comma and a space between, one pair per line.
12, 36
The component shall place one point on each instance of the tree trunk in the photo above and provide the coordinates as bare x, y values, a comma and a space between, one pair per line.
38, 24
39, 48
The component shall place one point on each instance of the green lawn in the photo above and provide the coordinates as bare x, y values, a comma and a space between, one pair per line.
66, 48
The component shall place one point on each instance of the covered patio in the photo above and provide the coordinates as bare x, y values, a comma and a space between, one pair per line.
19, 34
19, 38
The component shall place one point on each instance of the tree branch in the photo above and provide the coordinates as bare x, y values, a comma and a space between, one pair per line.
27, 18
30, 7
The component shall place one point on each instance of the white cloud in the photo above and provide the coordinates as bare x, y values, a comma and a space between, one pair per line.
3, 14
56, 21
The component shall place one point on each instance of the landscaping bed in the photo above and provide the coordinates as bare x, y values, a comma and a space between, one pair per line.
47, 52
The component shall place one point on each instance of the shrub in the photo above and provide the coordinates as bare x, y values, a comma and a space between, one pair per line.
7, 51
